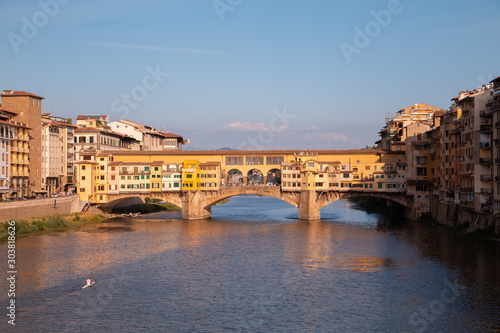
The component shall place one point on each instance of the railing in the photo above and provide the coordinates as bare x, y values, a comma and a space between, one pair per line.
485, 178
485, 161
486, 128
487, 191
485, 145
466, 189
485, 113
485, 206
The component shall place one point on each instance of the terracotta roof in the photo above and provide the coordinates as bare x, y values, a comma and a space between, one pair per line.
495, 80
440, 113
83, 117
249, 152
136, 163
210, 163
64, 124
103, 154
98, 130
114, 163
169, 135
8, 111
157, 163
86, 162
7, 93
13, 124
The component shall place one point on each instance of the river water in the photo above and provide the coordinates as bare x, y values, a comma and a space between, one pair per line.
254, 267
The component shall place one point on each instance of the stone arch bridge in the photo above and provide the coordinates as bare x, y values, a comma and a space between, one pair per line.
198, 204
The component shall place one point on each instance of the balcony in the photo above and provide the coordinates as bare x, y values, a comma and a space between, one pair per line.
466, 189
485, 145
486, 206
486, 191
485, 113
486, 128
456, 131
497, 142
485, 161
497, 124
14, 148
497, 178
485, 178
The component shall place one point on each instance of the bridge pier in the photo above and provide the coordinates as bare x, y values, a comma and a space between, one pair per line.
309, 208
194, 206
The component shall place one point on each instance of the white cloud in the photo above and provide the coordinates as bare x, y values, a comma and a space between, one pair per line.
252, 127
312, 128
157, 48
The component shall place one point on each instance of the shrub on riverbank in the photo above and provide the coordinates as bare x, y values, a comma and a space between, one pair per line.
47, 222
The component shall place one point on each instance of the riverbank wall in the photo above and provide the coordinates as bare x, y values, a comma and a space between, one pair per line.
454, 215
27, 209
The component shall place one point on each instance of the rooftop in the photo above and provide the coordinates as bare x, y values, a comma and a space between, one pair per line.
8, 93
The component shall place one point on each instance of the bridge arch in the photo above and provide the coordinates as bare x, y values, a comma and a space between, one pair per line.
125, 200
255, 176
330, 197
285, 199
234, 176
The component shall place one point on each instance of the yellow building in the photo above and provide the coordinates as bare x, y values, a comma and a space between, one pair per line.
191, 175
210, 176
86, 174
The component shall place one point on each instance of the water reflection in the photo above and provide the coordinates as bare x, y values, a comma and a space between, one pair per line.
254, 267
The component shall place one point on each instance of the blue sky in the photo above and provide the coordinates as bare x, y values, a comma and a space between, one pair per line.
249, 73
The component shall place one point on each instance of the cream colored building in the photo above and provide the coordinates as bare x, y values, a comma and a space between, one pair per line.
57, 154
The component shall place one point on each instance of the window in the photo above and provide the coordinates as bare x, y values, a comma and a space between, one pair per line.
346, 175
274, 160
421, 160
82, 189
147, 168
83, 177
91, 139
310, 165
379, 185
189, 175
234, 160
421, 171
255, 160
